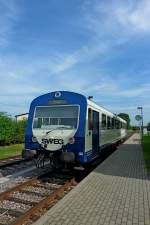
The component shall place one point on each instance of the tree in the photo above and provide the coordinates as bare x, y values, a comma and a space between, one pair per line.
126, 117
10, 130
20, 131
148, 126
6, 128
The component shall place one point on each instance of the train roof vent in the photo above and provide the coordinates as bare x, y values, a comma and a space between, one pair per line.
90, 97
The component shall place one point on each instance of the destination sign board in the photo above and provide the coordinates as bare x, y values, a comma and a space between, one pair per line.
57, 102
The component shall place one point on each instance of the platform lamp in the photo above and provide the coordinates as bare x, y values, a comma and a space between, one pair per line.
141, 110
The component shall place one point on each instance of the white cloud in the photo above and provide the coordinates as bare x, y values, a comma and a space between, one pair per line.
109, 25
109, 87
8, 17
104, 87
134, 15
63, 64
136, 92
115, 23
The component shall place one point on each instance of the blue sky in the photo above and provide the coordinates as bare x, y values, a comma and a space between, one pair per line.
99, 48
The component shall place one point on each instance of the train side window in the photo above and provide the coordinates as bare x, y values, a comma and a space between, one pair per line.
108, 122
116, 124
124, 125
118, 127
113, 123
103, 121
90, 119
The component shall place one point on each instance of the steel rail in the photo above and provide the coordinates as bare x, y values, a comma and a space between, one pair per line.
47, 202
10, 157
38, 207
13, 162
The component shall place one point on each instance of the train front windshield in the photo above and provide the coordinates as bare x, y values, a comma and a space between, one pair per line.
52, 117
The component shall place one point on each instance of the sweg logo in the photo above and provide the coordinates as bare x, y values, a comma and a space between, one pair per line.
52, 141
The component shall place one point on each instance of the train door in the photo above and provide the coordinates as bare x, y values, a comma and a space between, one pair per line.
95, 132
89, 130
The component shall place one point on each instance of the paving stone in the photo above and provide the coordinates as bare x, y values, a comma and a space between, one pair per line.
117, 192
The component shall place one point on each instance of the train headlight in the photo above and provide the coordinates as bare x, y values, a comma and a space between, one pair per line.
71, 140
34, 139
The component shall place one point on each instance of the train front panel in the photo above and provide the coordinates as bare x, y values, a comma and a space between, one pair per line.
57, 124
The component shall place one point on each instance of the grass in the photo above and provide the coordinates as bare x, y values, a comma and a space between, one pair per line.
146, 151
11, 150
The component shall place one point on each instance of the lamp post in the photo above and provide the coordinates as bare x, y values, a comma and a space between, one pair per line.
141, 127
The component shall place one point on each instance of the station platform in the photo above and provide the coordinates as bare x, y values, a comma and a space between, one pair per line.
117, 192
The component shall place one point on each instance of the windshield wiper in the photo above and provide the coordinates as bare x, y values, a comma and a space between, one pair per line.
57, 128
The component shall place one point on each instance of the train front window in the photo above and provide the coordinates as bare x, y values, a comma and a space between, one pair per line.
52, 117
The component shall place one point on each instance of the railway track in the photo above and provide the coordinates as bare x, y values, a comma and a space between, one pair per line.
11, 157
13, 165
24, 203
12, 161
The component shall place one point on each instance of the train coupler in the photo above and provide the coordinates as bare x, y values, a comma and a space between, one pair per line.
39, 161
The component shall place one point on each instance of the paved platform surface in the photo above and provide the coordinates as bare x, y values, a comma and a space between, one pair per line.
117, 192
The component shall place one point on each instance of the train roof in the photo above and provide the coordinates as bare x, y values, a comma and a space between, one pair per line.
96, 106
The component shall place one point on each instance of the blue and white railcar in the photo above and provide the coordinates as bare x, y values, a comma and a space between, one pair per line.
70, 124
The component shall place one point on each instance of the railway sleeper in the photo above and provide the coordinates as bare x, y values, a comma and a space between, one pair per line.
23, 201
13, 213
35, 193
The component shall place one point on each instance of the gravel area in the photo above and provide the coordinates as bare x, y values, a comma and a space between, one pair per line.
25, 198
14, 168
12, 183
6, 219
20, 207
15, 180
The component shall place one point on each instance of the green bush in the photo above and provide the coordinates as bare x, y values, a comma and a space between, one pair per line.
20, 131
146, 150
10, 130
